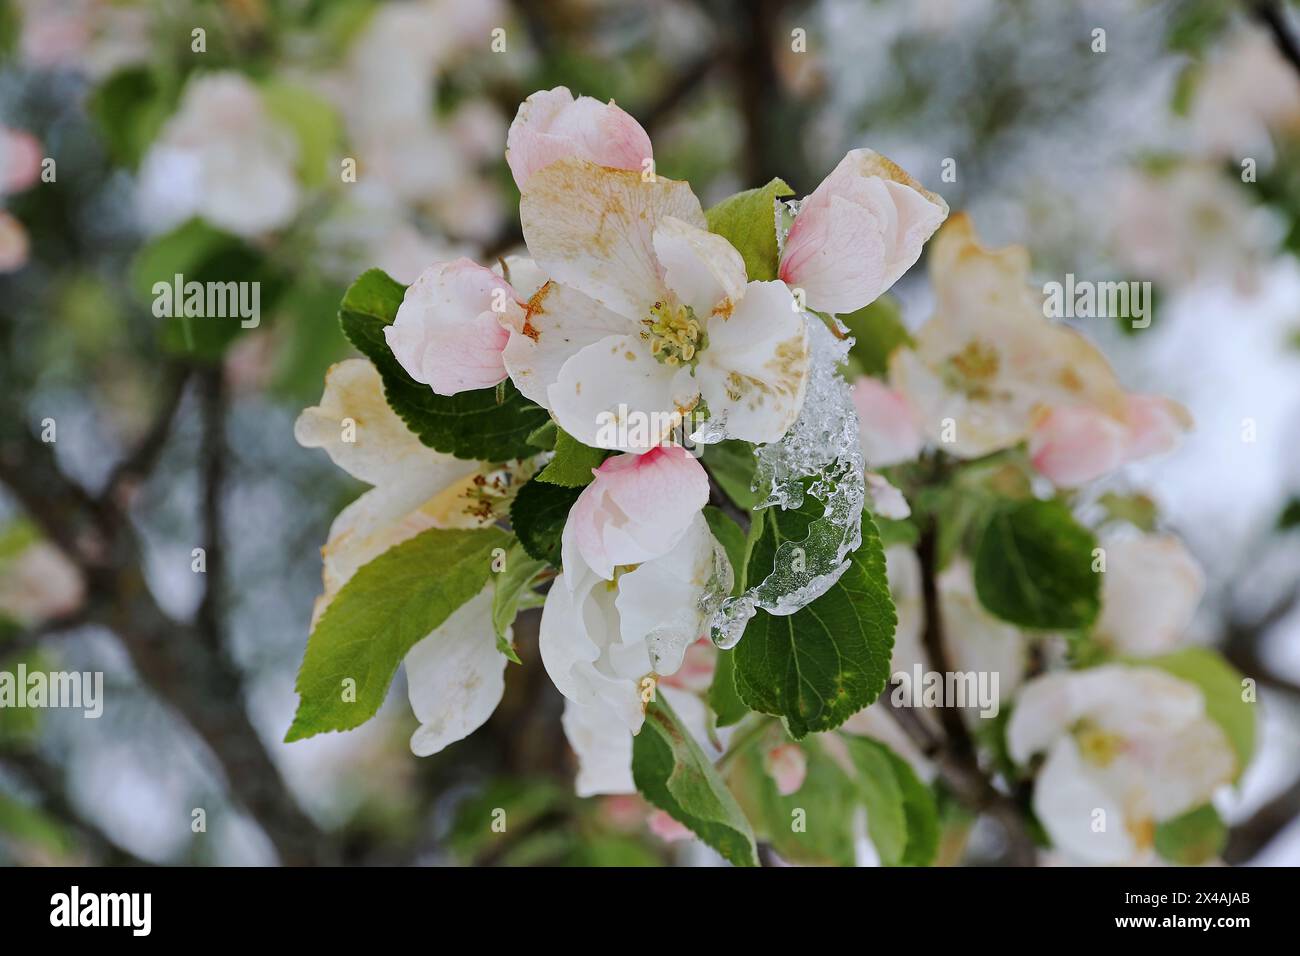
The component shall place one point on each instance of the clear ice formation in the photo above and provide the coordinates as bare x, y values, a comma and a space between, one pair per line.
820, 456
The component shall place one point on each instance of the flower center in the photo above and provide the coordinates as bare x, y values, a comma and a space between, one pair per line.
675, 335
972, 370
1097, 746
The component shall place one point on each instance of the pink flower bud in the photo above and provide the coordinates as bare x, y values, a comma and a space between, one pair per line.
552, 125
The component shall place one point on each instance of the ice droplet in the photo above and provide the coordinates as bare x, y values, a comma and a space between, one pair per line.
819, 456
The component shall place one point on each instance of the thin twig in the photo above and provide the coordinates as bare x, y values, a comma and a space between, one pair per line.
1273, 17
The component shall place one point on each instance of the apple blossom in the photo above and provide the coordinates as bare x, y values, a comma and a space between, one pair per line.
988, 363
1132, 742
552, 125
1072, 445
453, 325
455, 674
1149, 594
607, 642
886, 423
858, 232
220, 157
635, 509
664, 315
787, 766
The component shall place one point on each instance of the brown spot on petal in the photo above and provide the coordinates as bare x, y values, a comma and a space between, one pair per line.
535, 307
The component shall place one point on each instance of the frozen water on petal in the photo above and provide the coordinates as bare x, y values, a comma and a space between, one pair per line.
819, 456
669, 642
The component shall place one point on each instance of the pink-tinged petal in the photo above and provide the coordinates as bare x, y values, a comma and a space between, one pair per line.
1156, 426
551, 125
20, 160
787, 765
666, 828
14, 245
636, 509
1074, 445
704, 269
592, 228
858, 232
696, 673
886, 424
613, 394
449, 332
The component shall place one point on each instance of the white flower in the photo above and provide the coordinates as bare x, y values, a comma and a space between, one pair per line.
1127, 748
607, 643
454, 674
662, 317
988, 362
222, 158
1149, 594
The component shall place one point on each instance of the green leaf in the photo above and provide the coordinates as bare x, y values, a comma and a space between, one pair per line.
748, 221
197, 252
538, 515
1196, 837
671, 771
388, 606
732, 465
545, 436
902, 816
473, 424
508, 586
824, 663
724, 700
314, 122
812, 826
1221, 684
1137, 509
130, 108
573, 462
877, 330
921, 812
733, 542
1033, 567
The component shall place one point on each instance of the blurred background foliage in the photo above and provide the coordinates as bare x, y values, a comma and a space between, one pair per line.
1126, 162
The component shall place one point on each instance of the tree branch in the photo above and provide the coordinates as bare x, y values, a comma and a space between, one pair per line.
1271, 15
954, 753
175, 660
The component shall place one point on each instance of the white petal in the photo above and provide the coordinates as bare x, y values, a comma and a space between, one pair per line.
353, 407
1067, 797
592, 227
613, 394
558, 323
702, 268
578, 626
455, 677
659, 603
755, 368
604, 749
